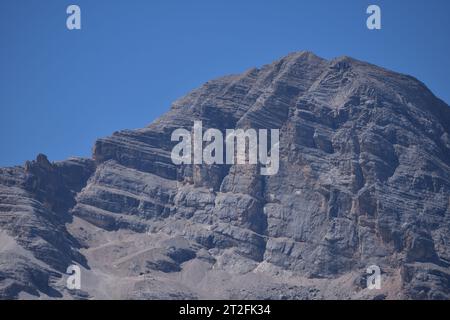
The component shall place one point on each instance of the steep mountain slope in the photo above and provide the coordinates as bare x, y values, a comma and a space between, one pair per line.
364, 179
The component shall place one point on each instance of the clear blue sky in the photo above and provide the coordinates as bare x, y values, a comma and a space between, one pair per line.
61, 89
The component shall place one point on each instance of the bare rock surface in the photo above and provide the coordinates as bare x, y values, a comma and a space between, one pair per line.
364, 180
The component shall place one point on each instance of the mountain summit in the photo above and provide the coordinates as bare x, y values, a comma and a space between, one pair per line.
363, 180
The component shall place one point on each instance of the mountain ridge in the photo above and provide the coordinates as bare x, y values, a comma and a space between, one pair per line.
364, 179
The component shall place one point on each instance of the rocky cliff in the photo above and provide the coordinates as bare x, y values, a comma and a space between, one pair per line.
364, 179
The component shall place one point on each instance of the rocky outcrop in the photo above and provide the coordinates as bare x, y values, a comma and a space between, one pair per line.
364, 179
34, 203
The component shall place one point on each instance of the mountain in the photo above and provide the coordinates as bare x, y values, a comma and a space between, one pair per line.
364, 179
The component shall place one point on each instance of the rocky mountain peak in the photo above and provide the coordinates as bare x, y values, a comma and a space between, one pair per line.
364, 179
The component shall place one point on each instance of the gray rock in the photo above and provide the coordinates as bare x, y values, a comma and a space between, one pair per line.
364, 179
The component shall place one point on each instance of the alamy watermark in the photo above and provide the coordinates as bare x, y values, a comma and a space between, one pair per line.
241, 147
73, 281
373, 22
374, 277
73, 21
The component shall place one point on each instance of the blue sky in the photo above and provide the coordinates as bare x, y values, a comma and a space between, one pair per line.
61, 89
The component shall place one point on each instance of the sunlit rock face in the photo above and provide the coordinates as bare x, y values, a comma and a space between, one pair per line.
364, 179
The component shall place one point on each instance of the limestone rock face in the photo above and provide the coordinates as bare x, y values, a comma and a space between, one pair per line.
364, 179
